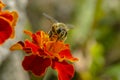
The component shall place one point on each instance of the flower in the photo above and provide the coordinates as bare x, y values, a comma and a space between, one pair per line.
7, 23
44, 52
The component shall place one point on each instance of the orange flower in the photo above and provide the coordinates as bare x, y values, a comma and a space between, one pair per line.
7, 23
44, 52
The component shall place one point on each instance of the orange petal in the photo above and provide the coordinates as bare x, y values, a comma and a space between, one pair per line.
28, 33
15, 18
40, 38
14, 21
18, 46
1, 5
54, 47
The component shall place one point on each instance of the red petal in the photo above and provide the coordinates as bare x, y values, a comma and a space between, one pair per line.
66, 54
11, 16
30, 45
7, 15
36, 64
36, 38
65, 70
33, 48
5, 30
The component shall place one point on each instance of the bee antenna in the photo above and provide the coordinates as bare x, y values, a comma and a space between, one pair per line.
50, 18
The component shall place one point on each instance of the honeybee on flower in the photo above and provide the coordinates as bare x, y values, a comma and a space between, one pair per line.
58, 30
47, 49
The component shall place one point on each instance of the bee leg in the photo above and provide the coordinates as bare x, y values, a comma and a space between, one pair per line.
50, 33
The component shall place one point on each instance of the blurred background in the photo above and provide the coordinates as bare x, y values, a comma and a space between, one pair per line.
94, 38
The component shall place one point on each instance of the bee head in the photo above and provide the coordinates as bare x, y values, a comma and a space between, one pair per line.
60, 29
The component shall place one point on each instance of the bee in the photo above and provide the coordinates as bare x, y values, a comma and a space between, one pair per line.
58, 30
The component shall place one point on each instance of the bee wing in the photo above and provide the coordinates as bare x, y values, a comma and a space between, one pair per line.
50, 18
69, 26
